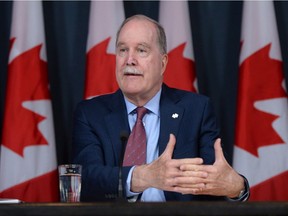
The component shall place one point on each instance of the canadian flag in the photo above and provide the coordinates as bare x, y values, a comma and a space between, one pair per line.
28, 168
262, 117
175, 19
105, 19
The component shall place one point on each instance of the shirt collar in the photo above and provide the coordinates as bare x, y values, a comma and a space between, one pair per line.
152, 105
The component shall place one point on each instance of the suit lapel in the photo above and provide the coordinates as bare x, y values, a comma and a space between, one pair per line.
170, 117
117, 122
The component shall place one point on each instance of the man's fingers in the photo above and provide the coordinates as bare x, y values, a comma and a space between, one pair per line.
202, 174
170, 147
218, 150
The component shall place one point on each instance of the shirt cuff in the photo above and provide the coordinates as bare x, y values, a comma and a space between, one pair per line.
129, 193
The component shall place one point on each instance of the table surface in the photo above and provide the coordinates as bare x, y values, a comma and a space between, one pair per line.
168, 208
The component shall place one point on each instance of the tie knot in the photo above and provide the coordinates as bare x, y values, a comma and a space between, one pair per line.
141, 111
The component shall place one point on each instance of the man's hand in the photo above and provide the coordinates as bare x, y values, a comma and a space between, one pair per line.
164, 173
189, 176
221, 180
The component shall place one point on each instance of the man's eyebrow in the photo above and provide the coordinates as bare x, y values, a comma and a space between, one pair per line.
144, 44
139, 44
120, 44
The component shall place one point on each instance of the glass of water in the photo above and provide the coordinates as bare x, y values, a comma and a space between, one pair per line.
70, 182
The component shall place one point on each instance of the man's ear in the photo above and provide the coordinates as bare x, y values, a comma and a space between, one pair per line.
164, 62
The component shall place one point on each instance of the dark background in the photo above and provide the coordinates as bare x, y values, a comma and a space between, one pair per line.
216, 29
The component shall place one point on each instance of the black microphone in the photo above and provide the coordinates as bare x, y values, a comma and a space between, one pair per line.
123, 137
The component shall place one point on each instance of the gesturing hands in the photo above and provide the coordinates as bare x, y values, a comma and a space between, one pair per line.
188, 176
221, 179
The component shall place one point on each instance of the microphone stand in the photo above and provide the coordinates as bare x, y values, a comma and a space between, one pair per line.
123, 137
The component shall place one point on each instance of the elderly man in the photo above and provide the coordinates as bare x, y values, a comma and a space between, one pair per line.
175, 137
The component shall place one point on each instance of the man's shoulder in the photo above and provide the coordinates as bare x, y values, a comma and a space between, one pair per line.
100, 98
105, 101
177, 94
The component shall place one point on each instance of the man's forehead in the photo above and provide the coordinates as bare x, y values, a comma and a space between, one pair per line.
142, 25
140, 21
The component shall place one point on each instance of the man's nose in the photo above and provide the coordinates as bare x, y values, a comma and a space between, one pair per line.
131, 60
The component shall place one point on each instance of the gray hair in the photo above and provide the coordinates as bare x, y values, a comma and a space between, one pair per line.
160, 31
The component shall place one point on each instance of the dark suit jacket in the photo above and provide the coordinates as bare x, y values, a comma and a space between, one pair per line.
97, 145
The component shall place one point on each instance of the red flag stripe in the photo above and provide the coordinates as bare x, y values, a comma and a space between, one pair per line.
36, 189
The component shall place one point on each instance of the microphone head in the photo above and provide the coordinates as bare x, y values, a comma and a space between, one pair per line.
124, 136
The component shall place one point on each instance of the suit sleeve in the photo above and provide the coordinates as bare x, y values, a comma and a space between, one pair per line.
209, 132
92, 149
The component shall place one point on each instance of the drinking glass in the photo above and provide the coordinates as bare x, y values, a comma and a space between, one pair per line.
70, 182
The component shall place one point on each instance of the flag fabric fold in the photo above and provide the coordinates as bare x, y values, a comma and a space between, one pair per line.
28, 164
261, 138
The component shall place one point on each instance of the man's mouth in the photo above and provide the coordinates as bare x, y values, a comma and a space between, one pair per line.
131, 74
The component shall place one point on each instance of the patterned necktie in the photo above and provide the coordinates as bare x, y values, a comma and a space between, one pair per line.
135, 153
